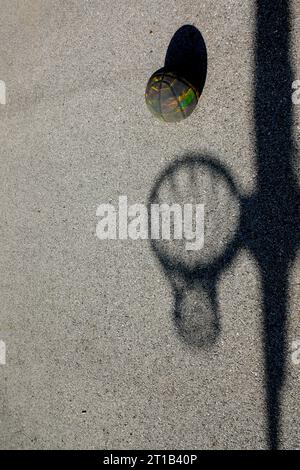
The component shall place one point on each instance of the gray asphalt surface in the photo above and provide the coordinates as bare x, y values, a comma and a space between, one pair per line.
93, 359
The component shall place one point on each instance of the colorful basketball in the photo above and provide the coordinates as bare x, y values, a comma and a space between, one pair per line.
169, 97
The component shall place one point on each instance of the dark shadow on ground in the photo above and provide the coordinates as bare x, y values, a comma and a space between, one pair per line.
268, 221
273, 216
194, 277
187, 56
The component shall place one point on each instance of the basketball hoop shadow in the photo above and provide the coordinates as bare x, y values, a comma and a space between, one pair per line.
194, 275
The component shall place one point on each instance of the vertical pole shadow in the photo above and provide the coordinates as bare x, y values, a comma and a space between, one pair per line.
273, 211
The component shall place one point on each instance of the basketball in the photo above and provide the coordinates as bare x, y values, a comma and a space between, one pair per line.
169, 97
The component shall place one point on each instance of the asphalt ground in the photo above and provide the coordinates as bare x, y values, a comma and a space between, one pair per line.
95, 355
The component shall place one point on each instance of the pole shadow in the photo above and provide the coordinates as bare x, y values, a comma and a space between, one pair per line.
273, 212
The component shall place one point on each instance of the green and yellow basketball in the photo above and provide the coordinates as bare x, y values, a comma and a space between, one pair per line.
169, 97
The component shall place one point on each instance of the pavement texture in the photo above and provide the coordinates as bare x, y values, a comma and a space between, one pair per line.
94, 358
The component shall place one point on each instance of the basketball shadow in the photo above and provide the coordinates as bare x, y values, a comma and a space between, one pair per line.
187, 56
